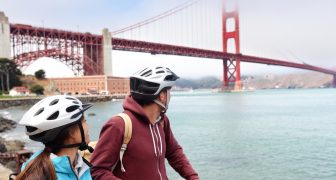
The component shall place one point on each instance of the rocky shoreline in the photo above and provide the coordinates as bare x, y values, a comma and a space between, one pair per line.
6, 124
7, 146
29, 101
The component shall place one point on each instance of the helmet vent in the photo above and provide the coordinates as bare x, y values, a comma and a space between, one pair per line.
76, 115
53, 116
69, 98
75, 102
39, 111
142, 70
54, 102
72, 108
170, 78
147, 73
31, 129
159, 72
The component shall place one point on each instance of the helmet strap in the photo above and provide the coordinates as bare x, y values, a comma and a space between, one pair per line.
165, 107
82, 146
161, 105
168, 98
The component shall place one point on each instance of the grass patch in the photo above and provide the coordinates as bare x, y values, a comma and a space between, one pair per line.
11, 97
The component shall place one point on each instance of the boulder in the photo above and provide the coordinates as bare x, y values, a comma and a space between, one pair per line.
6, 124
14, 145
11, 165
2, 145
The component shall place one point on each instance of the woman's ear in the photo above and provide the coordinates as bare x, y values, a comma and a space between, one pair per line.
74, 133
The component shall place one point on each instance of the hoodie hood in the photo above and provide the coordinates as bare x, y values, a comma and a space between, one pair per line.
131, 105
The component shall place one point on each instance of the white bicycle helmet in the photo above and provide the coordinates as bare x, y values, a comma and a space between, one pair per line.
48, 117
147, 83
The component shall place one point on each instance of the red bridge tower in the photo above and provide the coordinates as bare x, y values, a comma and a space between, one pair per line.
231, 73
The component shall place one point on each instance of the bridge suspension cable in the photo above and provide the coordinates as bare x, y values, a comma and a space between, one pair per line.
195, 23
157, 17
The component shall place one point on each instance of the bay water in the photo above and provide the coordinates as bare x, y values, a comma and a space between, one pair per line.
266, 134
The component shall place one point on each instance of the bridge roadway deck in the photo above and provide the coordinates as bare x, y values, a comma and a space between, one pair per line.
157, 48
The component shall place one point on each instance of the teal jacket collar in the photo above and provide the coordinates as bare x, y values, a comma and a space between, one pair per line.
64, 169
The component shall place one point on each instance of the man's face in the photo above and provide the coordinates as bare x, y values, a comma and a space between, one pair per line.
165, 97
168, 98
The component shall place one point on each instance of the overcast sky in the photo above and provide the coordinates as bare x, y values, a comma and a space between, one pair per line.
297, 30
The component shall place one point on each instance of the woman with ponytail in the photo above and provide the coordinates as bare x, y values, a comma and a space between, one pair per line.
59, 123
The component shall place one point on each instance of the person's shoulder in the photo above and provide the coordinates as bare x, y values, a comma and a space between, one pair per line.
37, 153
115, 122
30, 159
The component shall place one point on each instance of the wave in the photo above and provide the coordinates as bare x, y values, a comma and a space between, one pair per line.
6, 114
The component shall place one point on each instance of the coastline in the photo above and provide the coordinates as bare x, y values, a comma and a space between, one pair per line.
8, 124
8, 165
29, 101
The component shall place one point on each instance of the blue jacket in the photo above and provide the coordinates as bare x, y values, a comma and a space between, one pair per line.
63, 167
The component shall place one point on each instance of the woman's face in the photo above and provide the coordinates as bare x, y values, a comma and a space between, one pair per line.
86, 130
77, 138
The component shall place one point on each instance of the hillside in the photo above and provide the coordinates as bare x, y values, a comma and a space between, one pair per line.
30, 80
306, 80
267, 81
201, 83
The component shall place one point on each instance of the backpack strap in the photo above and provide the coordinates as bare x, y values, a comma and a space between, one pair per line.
127, 137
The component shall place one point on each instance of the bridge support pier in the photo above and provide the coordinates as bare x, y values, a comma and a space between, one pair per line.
5, 48
231, 67
107, 48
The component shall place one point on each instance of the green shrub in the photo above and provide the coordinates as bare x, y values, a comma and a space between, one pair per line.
37, 89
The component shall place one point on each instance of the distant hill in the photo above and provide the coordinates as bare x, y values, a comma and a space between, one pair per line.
208, 82
305, 80
266, 81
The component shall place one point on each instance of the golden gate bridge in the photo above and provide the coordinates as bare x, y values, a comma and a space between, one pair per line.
90, 54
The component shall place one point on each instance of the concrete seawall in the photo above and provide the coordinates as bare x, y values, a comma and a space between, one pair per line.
29, 101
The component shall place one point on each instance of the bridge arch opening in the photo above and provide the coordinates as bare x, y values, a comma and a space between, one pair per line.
51, 66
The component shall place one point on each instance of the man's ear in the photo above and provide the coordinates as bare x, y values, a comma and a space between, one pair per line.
162, 95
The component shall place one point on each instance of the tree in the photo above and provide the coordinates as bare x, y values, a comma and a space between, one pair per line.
9, 74
40, 74
37, 89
